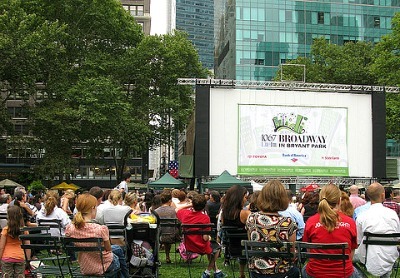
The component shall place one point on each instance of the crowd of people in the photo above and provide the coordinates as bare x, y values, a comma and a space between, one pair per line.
273, 214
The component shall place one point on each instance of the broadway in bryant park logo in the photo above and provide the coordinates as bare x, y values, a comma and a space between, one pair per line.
292, 122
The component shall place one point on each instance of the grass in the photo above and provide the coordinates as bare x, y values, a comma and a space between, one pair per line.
180, 268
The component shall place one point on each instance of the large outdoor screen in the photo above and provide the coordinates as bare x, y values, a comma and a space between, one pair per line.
292, 140
290, 133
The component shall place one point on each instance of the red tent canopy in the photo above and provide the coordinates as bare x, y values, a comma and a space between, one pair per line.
310, 187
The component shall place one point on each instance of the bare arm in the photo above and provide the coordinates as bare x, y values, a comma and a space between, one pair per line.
3, 240
244, 213
26, 208
107, 245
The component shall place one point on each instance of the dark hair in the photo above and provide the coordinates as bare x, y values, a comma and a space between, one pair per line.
215, 195
165, 196
106, 193
199, 202
156, 202
388, 192
96, 192
126, 175
15, 221
253, 201
233, 202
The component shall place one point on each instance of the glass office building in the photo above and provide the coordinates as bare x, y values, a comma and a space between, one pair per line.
253, 37
196, 17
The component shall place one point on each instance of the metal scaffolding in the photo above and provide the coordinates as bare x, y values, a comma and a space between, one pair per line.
299, 86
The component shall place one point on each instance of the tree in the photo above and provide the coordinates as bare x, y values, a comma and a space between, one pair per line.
109, 84
26, 47
386, 68
334, 64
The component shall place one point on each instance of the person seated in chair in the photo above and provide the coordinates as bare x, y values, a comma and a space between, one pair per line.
83, 226
267, 225
330, 225
201, 243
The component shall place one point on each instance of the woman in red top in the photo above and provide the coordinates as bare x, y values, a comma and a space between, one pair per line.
330, 225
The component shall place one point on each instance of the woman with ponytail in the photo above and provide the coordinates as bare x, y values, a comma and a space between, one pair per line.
83, 226
50, 210
330, 225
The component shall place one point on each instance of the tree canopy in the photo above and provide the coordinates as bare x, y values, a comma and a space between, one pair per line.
104, 82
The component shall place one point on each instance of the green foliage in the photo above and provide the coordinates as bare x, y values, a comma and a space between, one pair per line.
86, 52
387, 56
334, 64
36, 186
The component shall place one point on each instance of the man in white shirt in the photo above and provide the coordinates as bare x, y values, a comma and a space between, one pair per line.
382, 220
123, 186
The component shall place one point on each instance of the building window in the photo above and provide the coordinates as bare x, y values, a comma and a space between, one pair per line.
377, 22
135, 10
321, 16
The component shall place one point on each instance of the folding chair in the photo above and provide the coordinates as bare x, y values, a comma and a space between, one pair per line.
322, 251
267, 250
86, 245
195, 229
118, 231
170, 227
50, 263
392, 239
3, 217
231, 238
54, 224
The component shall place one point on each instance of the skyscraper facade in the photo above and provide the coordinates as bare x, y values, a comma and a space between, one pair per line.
253, 37
196, 17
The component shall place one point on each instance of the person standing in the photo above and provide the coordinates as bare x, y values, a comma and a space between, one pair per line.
123, 185
11, 254
381, 220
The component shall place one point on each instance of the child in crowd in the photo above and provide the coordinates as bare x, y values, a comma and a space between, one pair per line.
11, 253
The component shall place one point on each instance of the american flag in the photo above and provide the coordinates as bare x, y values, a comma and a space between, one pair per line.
173, 168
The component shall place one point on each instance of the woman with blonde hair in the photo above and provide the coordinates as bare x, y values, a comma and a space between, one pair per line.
67, 201
50, 210
83, 227
330, 225
116, 213
131, 201
267, 225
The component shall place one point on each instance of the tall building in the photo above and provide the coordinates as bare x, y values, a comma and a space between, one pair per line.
196, 17
253, 37
140, 9
163, 16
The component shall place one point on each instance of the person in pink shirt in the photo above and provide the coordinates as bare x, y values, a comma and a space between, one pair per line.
356, 200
